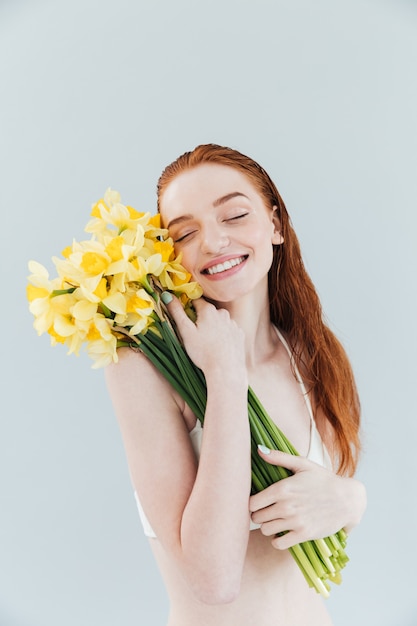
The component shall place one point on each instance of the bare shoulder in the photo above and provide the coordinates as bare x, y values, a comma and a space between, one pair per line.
132, 366
133, 383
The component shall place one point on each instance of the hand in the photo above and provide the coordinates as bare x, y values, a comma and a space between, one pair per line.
214, 341
312, 503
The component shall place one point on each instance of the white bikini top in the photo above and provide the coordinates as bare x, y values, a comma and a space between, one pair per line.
317, 451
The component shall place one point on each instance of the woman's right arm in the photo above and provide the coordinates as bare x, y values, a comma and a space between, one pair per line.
199, 511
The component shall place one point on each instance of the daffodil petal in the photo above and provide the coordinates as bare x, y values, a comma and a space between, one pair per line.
84, 311
116, 303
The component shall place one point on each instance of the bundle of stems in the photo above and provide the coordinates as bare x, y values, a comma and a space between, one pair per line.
320, 560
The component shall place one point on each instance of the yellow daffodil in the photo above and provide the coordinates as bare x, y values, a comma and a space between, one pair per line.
46, 310
103, 352
87, 259
192, 291
153, 229
40, 286
109, 212
165, 249
107, 283
102, 344
101, 290
139, 307
116, 303
155, 264
175, 278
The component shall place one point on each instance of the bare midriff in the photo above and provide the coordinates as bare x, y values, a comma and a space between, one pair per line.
273, 592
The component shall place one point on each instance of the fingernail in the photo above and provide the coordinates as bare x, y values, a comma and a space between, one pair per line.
166, 297
264, 449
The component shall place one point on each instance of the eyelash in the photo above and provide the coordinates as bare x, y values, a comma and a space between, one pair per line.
236, 217
183, 237
230, 219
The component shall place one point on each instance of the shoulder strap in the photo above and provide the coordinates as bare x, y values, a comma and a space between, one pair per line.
297, 373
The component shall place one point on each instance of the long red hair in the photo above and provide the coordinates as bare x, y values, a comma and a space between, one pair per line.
295, 308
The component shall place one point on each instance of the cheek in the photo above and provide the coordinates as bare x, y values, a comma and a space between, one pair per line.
262, 239
263, 247
186, 258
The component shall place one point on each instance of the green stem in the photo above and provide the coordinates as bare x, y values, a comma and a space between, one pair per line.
62, 292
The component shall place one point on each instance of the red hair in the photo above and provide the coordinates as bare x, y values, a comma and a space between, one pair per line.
295, 308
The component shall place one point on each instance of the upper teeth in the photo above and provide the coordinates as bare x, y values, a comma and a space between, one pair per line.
227, 265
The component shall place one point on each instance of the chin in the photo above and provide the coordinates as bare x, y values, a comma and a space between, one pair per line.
225, 296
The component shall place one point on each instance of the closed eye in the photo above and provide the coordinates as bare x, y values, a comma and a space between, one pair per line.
236, 217
187, 235
183, 237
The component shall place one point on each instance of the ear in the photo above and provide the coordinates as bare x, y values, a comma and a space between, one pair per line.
277, 238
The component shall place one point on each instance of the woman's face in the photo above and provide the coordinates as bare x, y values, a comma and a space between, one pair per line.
222, 228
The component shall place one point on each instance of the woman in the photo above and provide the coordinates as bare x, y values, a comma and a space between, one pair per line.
259, 323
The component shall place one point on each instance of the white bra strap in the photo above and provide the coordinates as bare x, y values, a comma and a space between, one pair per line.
298, 375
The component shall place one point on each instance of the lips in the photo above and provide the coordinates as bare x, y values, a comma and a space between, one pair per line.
226, 265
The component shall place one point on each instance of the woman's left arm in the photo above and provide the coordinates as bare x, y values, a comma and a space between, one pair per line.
312, 503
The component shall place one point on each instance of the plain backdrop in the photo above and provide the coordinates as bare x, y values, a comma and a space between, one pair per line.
98, 94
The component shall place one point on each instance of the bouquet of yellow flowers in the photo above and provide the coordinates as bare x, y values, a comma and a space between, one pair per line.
107, 294
104, 291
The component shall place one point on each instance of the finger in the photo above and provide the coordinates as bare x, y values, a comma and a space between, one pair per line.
267, 514
176, 310
286, 540
292, 462
203, 308
274, 527
200, 303
265, 499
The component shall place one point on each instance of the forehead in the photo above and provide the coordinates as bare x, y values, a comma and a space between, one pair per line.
199, 188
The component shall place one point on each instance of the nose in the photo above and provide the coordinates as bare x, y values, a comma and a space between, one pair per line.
213, 239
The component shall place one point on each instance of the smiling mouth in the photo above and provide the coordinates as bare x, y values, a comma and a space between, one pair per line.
223, 267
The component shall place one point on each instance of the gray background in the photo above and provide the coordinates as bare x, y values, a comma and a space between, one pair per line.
99, 93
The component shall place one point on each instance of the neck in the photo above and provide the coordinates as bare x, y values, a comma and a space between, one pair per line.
253, 317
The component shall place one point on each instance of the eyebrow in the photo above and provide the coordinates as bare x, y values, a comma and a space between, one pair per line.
216, 203
228, 197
